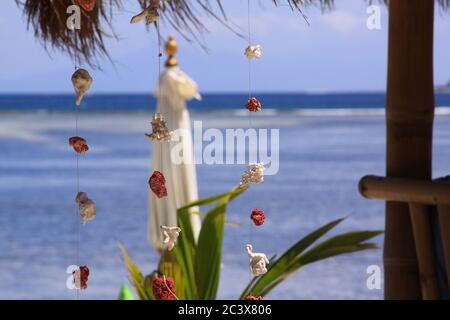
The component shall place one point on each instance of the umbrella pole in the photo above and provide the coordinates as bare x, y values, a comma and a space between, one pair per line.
409, 120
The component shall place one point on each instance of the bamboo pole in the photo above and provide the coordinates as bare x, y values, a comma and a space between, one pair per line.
444, 225
421, 223
409, 120
405, 190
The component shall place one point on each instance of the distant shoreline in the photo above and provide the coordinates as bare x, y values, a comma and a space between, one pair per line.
303, 103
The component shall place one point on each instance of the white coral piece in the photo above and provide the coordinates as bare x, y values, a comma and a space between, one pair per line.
252, 52
258, 261
170, 235
160, 132
253, 174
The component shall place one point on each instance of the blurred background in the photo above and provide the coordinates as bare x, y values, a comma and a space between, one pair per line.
322, 85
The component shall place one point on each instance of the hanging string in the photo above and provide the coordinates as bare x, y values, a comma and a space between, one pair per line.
77, 257
249, 60
159, 85
160, 145
249, 96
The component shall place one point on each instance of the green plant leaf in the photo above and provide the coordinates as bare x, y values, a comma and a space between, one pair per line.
169, 267
125, 293
279, 266
325, 254
295, 257
136, 277
208, 200
186, 249
337, 244
203, 215
209, 251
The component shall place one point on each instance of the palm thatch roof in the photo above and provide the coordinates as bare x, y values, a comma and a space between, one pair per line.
48, 19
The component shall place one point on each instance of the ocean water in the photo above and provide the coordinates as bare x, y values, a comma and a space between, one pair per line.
322, 158
208, 103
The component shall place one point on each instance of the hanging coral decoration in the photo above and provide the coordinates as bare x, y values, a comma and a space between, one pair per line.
160, 132
86, 5
258, 216
253, 105
170, 235
78, 144
157, 184
253, 298
253, 174
258, 261
86, 206
81, 277
150, 14
81, 80
164, 289
252, 52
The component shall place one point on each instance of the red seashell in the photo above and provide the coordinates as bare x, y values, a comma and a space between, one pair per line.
81, 277
253, 298
79, 144
157, 184
163, 291
253, 105
87, 5
258, 216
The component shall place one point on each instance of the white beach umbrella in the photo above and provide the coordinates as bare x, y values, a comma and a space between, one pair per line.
175, 87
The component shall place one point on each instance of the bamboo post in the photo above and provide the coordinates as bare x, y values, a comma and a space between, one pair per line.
444, 225
409, 119
421, 223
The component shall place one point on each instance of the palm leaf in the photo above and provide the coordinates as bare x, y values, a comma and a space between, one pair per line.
186, 249
125, 293
337, 244
209, 253
169, 267
282, 264
294, 258
136, 277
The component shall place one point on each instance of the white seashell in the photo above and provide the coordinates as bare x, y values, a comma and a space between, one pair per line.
81, 80
86, 207
252, 52
170, 235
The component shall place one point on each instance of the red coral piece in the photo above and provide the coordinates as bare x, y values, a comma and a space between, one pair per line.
79, 144
157, 184
253, 298
87, 5
163, 291
258, 216
81, 277
253, 105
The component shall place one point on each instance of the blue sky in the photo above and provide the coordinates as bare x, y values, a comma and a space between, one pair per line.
335, 53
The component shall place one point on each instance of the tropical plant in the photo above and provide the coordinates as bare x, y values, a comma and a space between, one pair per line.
195, 265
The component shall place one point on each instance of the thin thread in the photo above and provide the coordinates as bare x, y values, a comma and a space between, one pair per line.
77, 258
78, 190
249, 96
249, 60
159, 88
165, 282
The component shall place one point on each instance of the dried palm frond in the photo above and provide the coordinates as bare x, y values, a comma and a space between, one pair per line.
49, 21
48, 18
